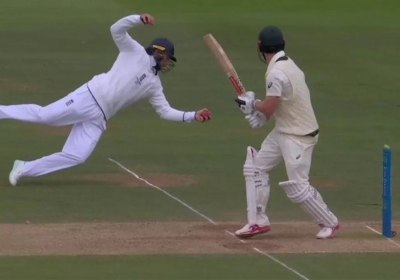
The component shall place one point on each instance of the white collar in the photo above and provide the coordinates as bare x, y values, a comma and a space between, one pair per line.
153, 64
152, 61
274, 59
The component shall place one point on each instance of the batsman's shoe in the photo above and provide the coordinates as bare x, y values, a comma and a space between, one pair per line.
251, 230
16, 172
327, 232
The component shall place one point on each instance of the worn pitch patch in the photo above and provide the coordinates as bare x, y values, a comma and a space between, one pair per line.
325, 183
9, 85
179, 238
300, 238
56, 130
110, 239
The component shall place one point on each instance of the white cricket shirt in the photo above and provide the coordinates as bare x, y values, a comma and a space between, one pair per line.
295, 114
132, 77
278, 84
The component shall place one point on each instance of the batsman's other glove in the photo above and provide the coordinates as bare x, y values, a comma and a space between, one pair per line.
256, 119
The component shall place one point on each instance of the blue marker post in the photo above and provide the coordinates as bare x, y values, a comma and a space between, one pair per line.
387, 192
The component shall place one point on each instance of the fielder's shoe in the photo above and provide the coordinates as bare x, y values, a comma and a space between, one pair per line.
327, 232
251, 230
16, 172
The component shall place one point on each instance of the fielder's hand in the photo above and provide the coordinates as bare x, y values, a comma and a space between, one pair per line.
147, 19
257, 119
203, 115
246, 102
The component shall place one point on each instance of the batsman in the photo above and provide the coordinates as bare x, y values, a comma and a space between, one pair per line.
292, 140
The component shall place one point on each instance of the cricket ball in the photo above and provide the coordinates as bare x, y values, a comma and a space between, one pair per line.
206, 114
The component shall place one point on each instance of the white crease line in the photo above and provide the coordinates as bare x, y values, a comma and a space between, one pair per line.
165, 192
208, 219
271, 257
388, 239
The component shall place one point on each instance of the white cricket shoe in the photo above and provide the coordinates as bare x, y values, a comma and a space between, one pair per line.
327, 232
16, 172
251, 230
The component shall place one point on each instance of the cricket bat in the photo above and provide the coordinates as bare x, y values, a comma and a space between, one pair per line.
225, 63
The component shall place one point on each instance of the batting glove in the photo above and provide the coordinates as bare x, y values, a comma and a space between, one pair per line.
256, 119
246, 102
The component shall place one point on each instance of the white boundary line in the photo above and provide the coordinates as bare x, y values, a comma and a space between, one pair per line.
388, 239
208, 219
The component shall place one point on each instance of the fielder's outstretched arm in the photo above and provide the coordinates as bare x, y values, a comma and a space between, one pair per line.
166, 112
119, 32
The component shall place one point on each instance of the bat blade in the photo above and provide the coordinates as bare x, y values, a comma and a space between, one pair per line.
225, 63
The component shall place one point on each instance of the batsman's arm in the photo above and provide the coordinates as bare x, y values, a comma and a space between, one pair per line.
119, 32
267, 106
274, 83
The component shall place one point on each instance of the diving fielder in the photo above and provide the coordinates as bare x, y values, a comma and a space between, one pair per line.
133, 77
292, 140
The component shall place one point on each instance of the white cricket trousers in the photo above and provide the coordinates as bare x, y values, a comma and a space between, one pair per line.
295, 151
78, 108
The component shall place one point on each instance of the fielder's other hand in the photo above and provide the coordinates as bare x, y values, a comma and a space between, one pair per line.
203, 115
147, 19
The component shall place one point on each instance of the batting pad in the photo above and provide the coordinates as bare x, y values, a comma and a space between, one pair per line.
310, 202
263, 189
251, 195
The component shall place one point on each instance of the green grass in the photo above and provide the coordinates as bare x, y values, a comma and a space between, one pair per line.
349, 52
374, 266
344, 266
140, 267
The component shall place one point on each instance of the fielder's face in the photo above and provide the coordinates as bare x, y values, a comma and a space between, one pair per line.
165, 61
166, 64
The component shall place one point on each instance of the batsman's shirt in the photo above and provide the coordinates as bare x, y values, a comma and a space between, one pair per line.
295, 114
132, 77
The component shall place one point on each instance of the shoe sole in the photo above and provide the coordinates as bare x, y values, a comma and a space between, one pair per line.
332, 235
12, 176
249, 235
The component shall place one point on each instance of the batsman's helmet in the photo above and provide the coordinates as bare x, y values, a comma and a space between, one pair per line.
270, 40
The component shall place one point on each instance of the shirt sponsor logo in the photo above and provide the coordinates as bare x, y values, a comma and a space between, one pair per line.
140, 79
